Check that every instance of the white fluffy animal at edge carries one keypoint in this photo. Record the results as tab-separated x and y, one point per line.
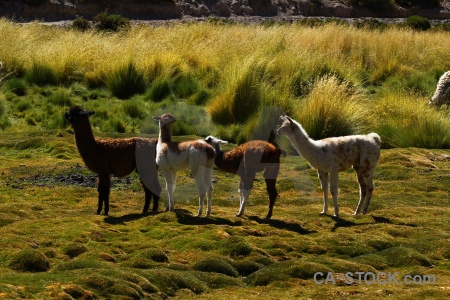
174	156
333	155
442	93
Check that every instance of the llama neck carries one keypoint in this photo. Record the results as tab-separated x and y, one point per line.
84	137
165	133
218	159
223	164
305	146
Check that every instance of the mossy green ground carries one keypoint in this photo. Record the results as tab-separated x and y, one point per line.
128	255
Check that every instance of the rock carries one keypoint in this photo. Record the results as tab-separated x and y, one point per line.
247	10
222	10
57	10
236	7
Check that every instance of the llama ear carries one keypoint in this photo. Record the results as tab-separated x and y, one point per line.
223	142
289	119
157	118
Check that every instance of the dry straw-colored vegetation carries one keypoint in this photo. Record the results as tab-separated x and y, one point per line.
335	79
234	70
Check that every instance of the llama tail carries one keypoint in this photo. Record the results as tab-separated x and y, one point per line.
376	138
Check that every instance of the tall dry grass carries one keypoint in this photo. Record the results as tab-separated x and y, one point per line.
199	47
234	65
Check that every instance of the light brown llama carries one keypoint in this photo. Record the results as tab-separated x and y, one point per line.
333	155
174	156
245	161
118	157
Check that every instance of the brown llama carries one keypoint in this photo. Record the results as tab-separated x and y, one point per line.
118	157
246	160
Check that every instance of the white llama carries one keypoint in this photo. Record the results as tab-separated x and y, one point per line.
174	156
442	93
333	155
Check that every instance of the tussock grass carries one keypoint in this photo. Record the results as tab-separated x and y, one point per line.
125	254
217	265
29	260
233	70
333	108
407	121
126	81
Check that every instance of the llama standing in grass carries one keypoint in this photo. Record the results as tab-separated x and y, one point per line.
246	160
442	93
333	155
174	156
118	157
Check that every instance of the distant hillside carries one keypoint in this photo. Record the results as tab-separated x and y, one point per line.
56	10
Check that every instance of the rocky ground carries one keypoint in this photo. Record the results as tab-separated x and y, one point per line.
57	10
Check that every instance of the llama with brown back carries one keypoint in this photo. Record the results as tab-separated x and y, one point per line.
118	157
174	156
246	160
333	155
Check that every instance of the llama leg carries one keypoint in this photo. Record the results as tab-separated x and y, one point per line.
201	200
209	199
204	185
148	198
247	183
202	190
103	188
171	178
155	202
272	190
323	176
241	195
362	193
370	186
208	182
334	187
270	175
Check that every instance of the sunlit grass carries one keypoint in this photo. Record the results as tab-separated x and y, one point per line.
333	108
234	71
407	121
53	243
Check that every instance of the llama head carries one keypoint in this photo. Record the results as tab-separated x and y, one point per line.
165	119
76	113
215	142
286	127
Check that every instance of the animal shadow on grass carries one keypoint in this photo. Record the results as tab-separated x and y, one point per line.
187	218
387	221
295	227
339	222
126	218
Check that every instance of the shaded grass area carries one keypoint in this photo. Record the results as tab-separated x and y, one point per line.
53	246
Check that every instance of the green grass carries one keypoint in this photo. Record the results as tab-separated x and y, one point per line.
126	81
197	73
126	254
345	87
